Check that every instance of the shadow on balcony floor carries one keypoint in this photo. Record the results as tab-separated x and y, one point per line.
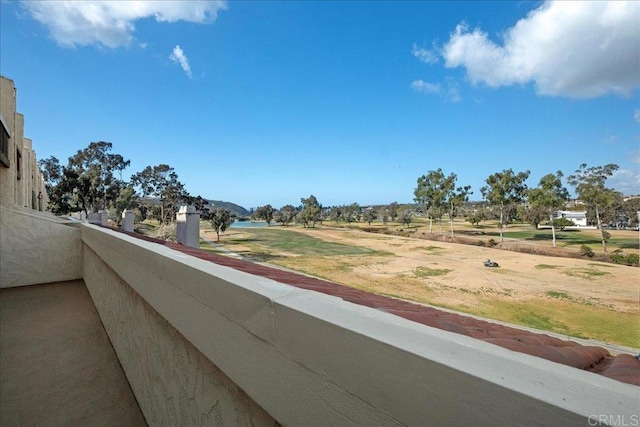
57	365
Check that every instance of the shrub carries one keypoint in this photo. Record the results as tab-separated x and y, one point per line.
480	243
492	243
586	251
619	257
165	232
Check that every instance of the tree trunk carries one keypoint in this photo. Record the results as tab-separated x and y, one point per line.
553	230
451	221
604	242
501	224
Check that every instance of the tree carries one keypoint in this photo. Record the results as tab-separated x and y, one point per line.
335	214
533	215
370	215
285	215
51	172
561	223
162	183
432	192
550	196
265	213
96	184
351	213
392	210
384	215
202	206
476	217
456	199
127	199
590	188
504	190
630	209
406	217
87	182
221	219
53	175
311	209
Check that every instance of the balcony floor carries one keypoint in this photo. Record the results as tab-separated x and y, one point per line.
57	365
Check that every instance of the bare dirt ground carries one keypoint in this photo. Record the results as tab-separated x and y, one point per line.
458	275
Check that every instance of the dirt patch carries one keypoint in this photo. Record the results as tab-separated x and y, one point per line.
520	276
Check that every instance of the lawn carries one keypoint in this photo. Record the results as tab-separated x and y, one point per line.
277	239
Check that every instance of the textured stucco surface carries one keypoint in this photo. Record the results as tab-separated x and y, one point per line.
37	247
57	366
314	359
174	383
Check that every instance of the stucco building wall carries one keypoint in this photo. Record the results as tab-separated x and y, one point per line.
37	247
174	383
21	182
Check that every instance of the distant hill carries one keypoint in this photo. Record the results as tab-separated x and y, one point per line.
232	207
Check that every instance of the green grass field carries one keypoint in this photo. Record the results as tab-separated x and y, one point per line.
277	239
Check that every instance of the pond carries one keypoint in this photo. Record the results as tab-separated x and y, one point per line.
248	224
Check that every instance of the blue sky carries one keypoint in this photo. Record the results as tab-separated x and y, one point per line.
268	102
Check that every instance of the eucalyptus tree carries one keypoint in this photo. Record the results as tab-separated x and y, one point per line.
456	199
96	184
370	215
265	213
351	213
406	217
589	183
432	193
220	220
504	190
335	214
311	210
91	180
384	215
631	211
550	196
285	215
161	182
392	210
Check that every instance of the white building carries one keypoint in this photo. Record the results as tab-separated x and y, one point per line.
579	218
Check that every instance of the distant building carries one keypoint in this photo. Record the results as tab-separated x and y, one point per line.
579	218
21	183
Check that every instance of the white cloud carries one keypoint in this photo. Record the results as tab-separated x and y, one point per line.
111	23
179	57
450	90
425	87
625	181
425	55
636	116
568	48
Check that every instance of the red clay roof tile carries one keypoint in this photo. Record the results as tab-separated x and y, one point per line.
624	367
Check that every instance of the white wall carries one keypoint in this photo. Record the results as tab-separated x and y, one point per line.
311	359
37	247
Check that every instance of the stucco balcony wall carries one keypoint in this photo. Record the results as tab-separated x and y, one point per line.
199	341
38	247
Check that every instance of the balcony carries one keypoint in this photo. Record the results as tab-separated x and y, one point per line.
144	332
